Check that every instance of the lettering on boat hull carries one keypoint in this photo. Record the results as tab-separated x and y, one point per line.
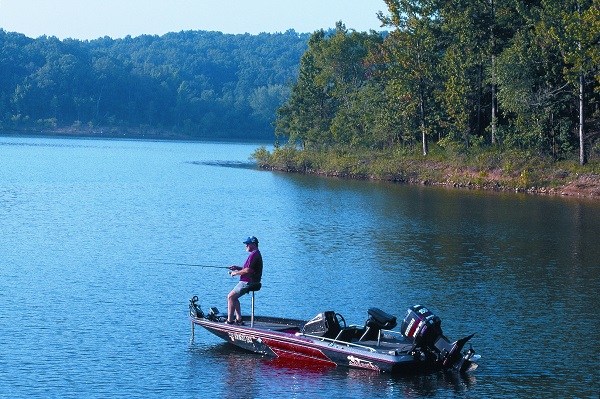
354	361
239	337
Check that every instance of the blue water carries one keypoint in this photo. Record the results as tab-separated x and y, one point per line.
91	306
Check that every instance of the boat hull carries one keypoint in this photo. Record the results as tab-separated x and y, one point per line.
290	345
326	340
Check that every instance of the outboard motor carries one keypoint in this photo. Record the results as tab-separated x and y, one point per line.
425	329
324	324
421	326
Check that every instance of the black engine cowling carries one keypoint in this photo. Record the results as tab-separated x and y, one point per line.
421	326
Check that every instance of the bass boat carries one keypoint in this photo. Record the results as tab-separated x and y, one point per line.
326	340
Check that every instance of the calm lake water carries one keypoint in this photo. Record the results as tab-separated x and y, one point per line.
91	306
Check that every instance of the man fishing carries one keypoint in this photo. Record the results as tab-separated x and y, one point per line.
250	275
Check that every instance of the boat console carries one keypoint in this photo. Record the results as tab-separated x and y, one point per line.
332	325
324	324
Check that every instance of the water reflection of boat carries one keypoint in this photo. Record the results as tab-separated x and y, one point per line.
327	341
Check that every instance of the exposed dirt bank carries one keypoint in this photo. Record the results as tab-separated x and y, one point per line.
584	185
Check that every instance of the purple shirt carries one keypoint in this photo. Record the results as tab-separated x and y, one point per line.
255	264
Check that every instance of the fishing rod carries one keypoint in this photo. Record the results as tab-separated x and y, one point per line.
189	264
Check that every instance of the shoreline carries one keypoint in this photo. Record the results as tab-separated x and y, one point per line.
110	133
117	134
577	185
583	186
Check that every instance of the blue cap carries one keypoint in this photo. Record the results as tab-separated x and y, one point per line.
251	240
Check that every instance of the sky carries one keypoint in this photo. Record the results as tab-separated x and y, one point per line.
91	19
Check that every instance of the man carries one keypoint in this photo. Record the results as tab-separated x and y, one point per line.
250	275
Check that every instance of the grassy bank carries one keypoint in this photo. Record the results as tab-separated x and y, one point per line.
478	169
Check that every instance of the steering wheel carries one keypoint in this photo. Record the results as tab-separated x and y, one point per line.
341	320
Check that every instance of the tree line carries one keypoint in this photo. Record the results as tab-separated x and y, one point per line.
507	74
191	83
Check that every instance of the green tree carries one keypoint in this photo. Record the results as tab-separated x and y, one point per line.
533	94
578	40
412	53
570	27
475	31
264	101
347	74
327	101
307	114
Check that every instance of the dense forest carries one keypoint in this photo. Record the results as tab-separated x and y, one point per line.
187	84
450	77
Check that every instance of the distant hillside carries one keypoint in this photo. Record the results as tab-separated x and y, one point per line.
189	84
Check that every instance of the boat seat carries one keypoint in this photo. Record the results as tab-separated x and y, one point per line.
254	287
378	320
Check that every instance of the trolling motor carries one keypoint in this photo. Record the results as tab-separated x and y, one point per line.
195	310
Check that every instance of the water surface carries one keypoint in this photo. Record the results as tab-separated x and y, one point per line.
90	305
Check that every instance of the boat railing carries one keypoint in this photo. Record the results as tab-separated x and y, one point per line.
337	341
